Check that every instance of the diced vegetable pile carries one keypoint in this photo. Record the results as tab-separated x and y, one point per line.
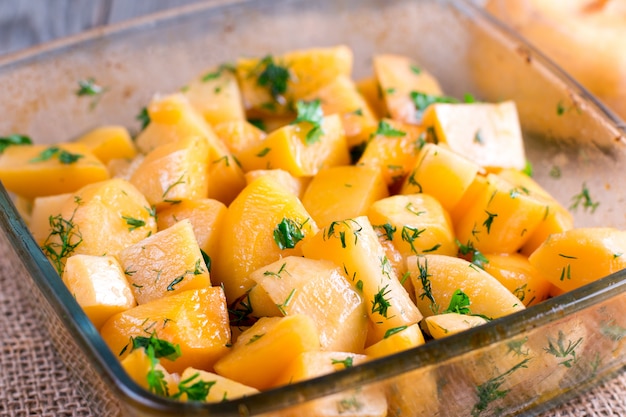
276	220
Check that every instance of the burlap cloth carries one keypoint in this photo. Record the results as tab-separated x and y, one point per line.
35	382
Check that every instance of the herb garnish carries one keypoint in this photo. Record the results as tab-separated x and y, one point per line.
387	230
394	330
423	100
13	140
311	112
288	233
347	362
133	223
562	351
89	88
198	391
274	77
490	390
143	117
64	156
67	233
385	129
585	199
380	304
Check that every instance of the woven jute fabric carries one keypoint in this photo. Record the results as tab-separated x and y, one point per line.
35	382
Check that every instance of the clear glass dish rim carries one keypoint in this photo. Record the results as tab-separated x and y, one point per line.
104	361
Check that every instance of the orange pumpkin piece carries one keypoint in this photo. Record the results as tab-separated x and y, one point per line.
99	286
196	320
442	173
290	149
393	148
206	217
353	245
519	276
123	215
40	170
175	171
264	223
398	77
215	95
415	223
304	70
267	348
318	289
343	192
165	263
109	142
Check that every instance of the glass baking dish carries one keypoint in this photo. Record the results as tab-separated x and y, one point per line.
523	363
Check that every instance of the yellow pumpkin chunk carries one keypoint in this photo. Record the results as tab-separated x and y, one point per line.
443	325
353	245
172	118
221	389
215	95
109	142
416	224
341	97
436	278
264	223
442	173
175	171
99	286
206	217
43	209
501	217
399	77
137	364
40	170
519	276
196	320
165	263
343	192
579	256
358	402
239	135
123	215
393	147
267	347
400	339
318	289
300	73
486	133
291	149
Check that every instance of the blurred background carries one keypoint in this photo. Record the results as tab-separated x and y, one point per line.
25	23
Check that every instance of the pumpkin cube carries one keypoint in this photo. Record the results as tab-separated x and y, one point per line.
215	95
270	84
290	148
109	142
486	133
415	223
318	289
99	286
268	347
263	224
442	173
175	171
196	320
206	217
343	192
123	216
41	170
353	245
399	78
436	279
165	263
